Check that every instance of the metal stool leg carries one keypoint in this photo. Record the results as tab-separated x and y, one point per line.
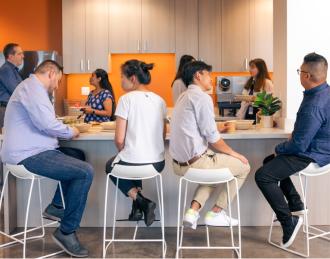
115	212
239	220
27	217
230	215
162	217
40	205
179	221
105	216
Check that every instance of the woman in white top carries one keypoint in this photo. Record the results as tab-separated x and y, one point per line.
178	86
258	82
140	134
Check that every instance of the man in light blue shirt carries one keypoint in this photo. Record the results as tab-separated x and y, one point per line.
30	139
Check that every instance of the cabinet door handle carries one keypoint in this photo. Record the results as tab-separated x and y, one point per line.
88	64
138	45
145	46
81	65
246	64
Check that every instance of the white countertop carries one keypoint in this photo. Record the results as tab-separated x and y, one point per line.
96	133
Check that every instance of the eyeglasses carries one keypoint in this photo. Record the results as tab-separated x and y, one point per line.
302	71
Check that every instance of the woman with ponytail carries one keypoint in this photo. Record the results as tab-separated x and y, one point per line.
101	101
140	134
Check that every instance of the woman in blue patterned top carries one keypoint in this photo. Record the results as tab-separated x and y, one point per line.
101	101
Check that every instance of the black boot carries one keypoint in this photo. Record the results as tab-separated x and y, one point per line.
148	207
136	213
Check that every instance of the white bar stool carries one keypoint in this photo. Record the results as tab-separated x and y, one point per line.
142	172
208	177
21	172
312	170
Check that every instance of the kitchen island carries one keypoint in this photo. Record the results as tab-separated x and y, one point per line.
99	146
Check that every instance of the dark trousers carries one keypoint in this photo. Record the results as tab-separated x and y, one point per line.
279	169
126	185
65	165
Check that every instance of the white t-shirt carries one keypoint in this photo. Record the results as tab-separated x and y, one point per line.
145	113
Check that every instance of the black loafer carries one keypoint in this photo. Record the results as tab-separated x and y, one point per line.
148	207
69	243
136	212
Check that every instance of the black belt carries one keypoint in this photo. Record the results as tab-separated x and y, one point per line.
3	104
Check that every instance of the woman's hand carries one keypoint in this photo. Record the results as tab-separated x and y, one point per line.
88	110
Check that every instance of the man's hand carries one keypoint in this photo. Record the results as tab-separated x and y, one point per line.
76	132
222	127
240	157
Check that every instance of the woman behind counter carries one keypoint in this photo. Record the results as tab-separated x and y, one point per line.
258	82
178	87
101	101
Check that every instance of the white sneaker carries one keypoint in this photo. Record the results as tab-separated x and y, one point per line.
219	219
190	218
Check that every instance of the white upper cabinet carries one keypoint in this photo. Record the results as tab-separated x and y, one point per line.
209	32
158	30
261	40
85	35
186	28
141	26
74	34
97	35
224	33
125	26
235	45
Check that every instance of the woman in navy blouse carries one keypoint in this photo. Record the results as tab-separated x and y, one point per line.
101	101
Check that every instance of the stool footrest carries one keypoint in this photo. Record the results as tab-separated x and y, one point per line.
51	255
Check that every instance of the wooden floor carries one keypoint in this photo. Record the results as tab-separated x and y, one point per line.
253	241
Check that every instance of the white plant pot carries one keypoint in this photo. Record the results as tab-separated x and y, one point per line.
266	121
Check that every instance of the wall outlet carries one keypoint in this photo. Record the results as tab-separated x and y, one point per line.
85	90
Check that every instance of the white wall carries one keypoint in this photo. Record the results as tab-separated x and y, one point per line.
307	29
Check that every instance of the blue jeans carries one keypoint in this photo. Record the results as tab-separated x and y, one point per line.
126	185
76	177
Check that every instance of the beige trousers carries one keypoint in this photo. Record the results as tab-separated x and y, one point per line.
211	160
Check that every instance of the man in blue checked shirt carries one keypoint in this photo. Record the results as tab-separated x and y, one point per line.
310	142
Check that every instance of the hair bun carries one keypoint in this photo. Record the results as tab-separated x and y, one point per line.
146	67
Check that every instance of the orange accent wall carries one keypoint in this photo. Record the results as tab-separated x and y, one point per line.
34	24
162	76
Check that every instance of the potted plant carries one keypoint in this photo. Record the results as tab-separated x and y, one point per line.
267	105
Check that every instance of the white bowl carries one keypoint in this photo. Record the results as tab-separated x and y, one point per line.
83	127
108	125
244	124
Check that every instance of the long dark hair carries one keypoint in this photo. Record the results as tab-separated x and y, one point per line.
139	69
261	77
183	60
106	85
